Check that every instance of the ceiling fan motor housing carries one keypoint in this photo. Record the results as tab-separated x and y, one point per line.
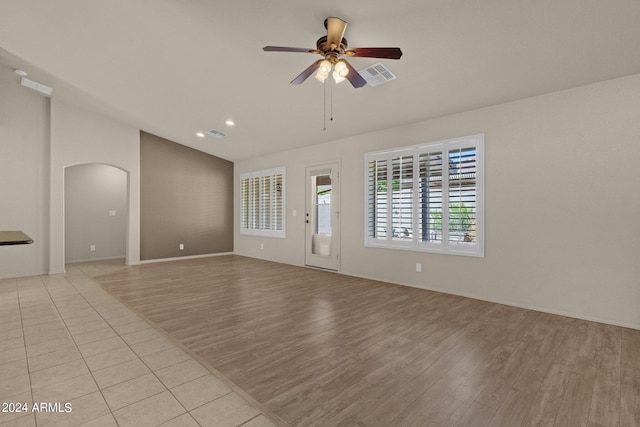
324	47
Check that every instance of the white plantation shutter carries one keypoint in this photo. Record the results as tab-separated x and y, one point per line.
402	198
462	195
262	203
377	199
254	220
430	202
265	202
244	204
277	206
427	197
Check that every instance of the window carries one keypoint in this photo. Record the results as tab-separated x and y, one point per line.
262	203
428	197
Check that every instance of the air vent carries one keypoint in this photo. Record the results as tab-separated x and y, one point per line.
217	133
45	90
377	74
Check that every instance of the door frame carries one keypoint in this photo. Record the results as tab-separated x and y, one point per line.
318	261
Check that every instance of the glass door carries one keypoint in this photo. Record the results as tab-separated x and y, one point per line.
322	217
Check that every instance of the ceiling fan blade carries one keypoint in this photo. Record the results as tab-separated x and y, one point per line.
375	52
354	77
288	49
306	73
335	31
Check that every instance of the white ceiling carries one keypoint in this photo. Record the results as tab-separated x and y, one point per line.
174	67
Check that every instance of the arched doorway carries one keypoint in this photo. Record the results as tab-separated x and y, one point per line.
96	212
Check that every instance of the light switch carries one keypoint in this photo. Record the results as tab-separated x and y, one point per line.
112	213
294	212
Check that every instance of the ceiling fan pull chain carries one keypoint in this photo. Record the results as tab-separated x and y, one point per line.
331	101
324	105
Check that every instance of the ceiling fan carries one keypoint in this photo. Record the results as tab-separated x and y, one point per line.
332	47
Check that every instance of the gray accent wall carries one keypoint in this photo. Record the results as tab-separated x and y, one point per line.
186	198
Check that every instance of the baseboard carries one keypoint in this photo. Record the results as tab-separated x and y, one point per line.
180	258
18	276
75	261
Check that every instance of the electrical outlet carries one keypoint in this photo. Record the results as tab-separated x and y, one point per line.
93	248
418	267
261	246
182	246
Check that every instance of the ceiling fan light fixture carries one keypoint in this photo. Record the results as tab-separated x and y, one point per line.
321	76
341	69
337	77
325	67
323	70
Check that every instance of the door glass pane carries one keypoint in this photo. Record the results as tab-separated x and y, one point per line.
321	238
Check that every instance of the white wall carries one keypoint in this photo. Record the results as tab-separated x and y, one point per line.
92	193
79	136
562	206
24	165
38	139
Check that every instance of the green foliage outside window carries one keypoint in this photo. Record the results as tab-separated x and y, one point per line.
382	185
460	218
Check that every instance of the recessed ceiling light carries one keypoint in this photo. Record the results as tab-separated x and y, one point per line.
21	73
230	122
200	134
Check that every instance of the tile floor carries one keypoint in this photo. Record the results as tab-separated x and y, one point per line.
68	344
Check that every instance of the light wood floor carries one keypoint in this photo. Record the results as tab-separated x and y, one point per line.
319	348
